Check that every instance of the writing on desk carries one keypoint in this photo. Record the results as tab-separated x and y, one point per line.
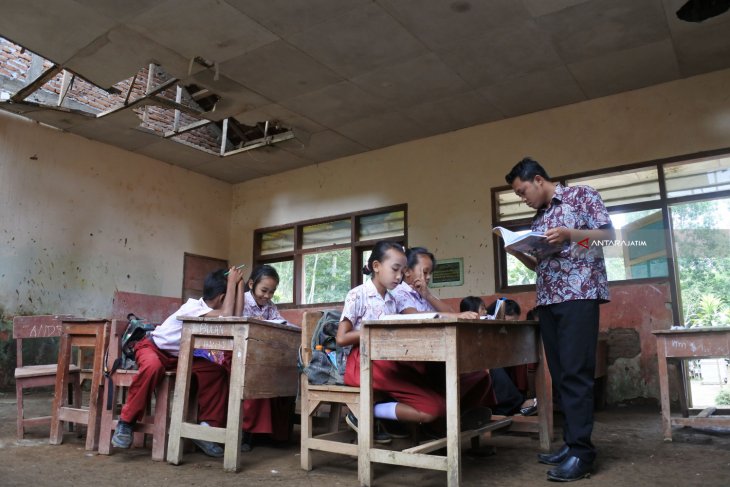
213	344
208	329
694	348
45	331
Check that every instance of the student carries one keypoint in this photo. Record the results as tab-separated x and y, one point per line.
413	294
158	353
262	286
570	286
264	416
510	400
414	399
473	303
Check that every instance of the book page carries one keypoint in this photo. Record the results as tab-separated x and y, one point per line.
411	316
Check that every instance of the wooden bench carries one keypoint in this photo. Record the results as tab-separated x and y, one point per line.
29	376
313	397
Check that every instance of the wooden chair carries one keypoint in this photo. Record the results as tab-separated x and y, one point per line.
27	376
314	396
155	424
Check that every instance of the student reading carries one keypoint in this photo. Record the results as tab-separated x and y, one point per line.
413	396
570	286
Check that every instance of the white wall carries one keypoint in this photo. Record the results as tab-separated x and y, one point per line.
446	179
80	219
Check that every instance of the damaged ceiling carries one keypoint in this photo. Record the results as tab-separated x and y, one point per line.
346	76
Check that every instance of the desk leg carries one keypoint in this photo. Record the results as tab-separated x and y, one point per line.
180	398
235	403
453	413
60	391
365	426
664	388
544	392
96	401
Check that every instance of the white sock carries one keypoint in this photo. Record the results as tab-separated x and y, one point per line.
204	423
385	410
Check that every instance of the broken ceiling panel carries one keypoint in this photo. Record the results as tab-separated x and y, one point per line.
234	98
278	113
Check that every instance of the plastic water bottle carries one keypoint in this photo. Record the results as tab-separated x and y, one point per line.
332	354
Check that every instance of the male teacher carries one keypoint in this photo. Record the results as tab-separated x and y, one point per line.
571	283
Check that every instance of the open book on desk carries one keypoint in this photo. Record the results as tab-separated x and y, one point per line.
411	316
531	243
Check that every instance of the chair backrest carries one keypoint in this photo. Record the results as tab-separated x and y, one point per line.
115	341
309	323
30	327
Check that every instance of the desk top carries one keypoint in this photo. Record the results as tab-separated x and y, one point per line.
236	320
447	322
693	331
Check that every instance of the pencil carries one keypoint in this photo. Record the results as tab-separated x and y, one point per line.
237	267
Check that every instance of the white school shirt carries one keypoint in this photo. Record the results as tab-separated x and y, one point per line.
251	309
167	335
407	297
364	303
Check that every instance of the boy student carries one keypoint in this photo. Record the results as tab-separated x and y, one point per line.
570	286
158	353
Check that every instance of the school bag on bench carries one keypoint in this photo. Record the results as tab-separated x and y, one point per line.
327	365
137	329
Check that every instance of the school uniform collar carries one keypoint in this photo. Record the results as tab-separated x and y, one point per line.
557	199
371	291
251	301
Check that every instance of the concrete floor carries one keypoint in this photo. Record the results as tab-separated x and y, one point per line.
629	439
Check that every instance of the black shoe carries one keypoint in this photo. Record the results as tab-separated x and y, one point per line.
475	418
572	468
529	410
395	428
380	436
247	442
554	458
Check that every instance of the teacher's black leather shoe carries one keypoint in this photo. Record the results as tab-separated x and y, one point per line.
554	458
572	468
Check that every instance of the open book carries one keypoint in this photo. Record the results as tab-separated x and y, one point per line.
411	316
531	243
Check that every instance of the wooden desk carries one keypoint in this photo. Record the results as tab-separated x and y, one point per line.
689	343
264	365
464	346
80	332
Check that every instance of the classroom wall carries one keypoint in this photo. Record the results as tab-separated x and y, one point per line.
445	180
80	220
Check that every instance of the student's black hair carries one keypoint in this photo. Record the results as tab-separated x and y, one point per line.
261	271
413	253
215	284
378	254
471	303
532	314
526	170
511	308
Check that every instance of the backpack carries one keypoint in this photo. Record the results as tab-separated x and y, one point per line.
137	329
326	368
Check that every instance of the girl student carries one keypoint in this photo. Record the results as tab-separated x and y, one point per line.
413	397
262	285
264	416
413	295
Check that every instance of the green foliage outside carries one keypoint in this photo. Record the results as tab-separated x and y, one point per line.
703	261
723	398
326	276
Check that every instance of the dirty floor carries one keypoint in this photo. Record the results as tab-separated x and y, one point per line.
631	453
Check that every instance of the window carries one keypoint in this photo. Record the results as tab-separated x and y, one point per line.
319	261
684	201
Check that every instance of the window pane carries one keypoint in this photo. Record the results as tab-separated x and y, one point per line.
698	177
285	289
517	273
277	241
624	187
701	234
639	250
510	207
326	276
330	233
382	225
365	257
